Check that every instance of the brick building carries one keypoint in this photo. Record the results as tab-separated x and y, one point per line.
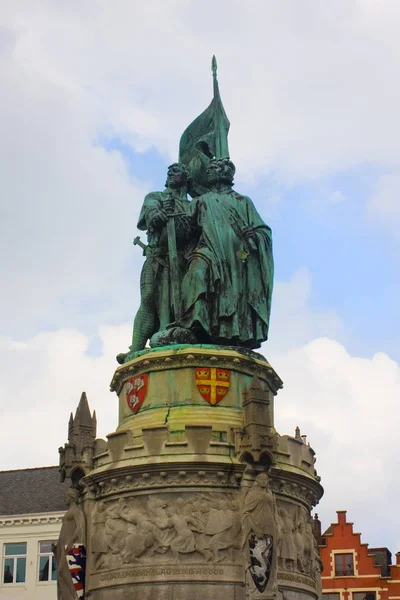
352	570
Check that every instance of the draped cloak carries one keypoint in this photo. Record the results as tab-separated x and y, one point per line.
225	296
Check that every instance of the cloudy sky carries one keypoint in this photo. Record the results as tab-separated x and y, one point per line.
95	96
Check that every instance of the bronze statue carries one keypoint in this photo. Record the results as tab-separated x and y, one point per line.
208	273
164	216
227	288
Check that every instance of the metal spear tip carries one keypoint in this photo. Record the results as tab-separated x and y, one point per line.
214	66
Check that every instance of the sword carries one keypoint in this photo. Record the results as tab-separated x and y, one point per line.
173	266
137	242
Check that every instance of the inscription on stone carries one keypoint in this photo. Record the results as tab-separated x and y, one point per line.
169	573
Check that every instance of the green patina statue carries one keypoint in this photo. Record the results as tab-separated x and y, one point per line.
165	217
226	290
208	273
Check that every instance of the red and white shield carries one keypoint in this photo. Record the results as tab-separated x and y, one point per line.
135	391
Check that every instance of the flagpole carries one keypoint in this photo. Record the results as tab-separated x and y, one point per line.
214	68
221	137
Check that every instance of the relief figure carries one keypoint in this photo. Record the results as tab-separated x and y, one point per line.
184	541
73	531
287	547
299	537
224	525
99	543
115	525
259	532
140	534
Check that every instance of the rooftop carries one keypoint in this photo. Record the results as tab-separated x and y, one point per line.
25	491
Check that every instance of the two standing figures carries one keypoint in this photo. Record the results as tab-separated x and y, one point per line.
208	273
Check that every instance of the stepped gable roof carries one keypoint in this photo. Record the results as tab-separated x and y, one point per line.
32	491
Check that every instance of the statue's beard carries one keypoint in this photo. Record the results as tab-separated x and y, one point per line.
219	179
214	179
176	182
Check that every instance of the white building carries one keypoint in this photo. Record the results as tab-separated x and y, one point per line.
31	510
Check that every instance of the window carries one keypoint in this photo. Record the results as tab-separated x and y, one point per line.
14	563
363	595
334	596
344	564
47	563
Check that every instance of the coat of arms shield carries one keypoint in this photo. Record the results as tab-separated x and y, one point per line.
212	383
135	391
76	560
260	559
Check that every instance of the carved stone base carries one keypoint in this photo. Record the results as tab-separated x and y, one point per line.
176	508
190	590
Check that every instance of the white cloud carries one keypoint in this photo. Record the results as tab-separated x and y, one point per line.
293	320
348	406
309	88
68	210
337	197
42	380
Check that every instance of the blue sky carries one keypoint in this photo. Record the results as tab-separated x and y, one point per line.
98	95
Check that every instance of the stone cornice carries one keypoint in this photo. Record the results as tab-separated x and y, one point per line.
195	356
306	490
31	519
164	477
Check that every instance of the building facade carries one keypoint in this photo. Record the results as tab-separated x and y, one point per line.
352	570
31	510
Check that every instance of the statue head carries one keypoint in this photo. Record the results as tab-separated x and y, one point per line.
177	176
262	481
170	511
221	170
71	495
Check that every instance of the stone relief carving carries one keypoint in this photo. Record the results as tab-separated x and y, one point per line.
99	540
286	546
202	528
297	547
308	495
259	532
250	529
224	525
73	532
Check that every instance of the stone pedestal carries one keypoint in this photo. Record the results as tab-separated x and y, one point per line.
172	503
